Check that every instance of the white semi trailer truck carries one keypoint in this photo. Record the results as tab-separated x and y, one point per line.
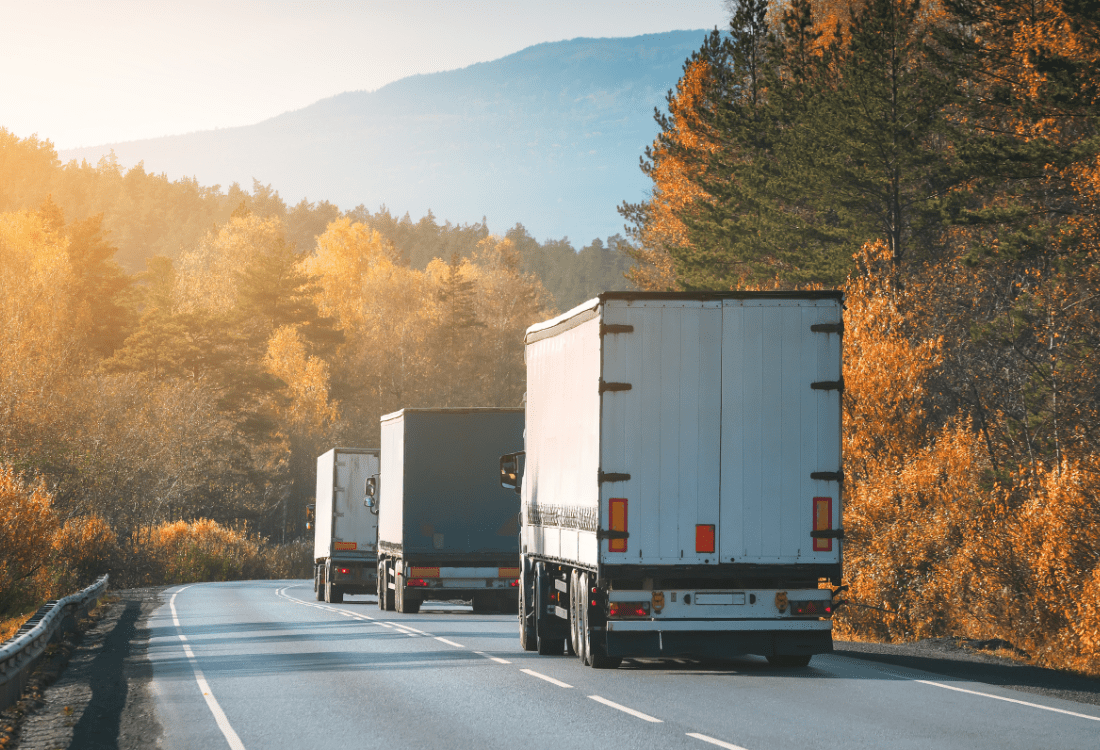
681	478
345	540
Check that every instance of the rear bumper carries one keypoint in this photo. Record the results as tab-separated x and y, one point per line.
453	592
718	643
716	626
362	575
458	582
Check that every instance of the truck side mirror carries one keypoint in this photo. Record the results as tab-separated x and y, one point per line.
310	510
371	492
511	472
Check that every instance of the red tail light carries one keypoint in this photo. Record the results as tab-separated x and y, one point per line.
515	583
813	608
345	571
823	521
617	522
416	582
704	537
628	609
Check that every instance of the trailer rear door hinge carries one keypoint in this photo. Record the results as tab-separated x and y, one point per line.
828	534
606	328
605	386
828	385
606	534
828	328
828	476
611	476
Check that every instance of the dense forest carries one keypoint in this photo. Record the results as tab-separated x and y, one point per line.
941	161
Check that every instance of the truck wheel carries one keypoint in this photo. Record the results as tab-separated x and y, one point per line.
318	587
527	638
595	652
789	661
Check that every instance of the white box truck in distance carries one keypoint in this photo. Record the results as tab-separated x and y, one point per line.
681	487
345	538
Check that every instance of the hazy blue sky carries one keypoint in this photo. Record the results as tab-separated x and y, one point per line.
103	71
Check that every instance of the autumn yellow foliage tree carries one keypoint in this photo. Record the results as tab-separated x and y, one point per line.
26	535
39	341
659	221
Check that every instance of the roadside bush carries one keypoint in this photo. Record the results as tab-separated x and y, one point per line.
85	549
26	540
202	550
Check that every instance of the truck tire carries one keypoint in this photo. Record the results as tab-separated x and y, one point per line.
595	653
786	660
318	586
527	638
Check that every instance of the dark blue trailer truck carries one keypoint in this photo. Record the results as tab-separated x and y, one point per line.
447	530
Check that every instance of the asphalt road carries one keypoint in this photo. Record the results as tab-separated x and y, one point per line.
263	665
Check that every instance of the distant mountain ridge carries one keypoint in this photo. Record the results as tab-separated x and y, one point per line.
548	137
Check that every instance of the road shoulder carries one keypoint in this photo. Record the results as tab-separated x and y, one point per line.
942	656
103	698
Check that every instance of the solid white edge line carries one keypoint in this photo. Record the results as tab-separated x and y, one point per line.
626	710
1009	700
541	676
711	740
204	687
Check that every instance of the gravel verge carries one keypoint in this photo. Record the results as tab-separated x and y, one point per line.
102	697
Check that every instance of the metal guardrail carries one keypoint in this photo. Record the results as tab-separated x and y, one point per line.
19	655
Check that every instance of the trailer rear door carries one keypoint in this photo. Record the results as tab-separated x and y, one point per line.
355	528
780	424
664	431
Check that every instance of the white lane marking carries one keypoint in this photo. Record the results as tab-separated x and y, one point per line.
711	740
494	658
541	676
204	687
626	710
1009	700
449	643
